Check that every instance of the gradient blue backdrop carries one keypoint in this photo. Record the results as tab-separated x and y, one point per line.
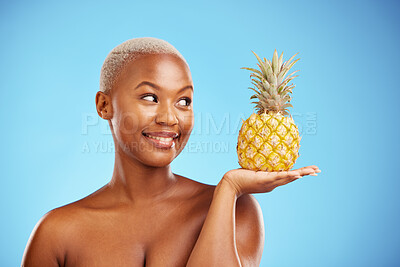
346	103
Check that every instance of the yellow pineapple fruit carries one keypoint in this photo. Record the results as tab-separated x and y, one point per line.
269	140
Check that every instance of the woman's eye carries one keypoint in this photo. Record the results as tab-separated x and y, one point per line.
151	98
184	102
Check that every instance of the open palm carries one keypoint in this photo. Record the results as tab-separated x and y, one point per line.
248	182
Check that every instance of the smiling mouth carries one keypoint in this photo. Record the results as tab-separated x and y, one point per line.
163	140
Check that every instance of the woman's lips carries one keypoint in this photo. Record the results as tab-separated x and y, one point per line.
164	140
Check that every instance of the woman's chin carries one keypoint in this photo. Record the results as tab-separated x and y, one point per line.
156	159
157	162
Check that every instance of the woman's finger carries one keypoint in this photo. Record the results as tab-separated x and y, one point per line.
315	168
286	174
296	174
277	176
280	178
286	177
307	171
285	181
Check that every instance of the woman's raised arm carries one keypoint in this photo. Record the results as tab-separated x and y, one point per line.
233	233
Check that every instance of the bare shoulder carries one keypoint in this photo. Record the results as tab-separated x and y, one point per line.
46	245
196	187
55	232
249	229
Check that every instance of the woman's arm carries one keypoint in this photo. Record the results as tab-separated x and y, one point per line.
228	241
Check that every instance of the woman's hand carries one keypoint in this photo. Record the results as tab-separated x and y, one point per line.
245	181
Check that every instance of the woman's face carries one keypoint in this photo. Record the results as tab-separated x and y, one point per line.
152	109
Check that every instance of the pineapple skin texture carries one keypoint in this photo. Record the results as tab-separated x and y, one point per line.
268	142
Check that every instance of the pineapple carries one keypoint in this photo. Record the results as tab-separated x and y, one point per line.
269	140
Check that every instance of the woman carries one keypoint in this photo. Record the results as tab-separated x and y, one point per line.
147	215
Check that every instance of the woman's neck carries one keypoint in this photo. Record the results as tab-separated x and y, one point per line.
134	182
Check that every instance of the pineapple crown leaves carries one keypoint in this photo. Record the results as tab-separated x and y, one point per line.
271	83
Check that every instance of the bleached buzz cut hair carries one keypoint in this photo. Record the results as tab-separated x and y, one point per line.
129	50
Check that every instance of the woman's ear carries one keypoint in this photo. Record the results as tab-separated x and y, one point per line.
103	105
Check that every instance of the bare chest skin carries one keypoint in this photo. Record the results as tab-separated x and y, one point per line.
147	234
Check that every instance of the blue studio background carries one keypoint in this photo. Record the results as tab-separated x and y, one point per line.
56	150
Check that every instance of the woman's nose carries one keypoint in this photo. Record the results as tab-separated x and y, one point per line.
166	116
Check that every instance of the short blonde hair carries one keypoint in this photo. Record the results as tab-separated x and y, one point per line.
128	51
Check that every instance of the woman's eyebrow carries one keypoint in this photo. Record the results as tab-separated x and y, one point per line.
155	86
185	88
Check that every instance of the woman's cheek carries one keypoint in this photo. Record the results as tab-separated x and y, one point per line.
130	122
187	121
126	123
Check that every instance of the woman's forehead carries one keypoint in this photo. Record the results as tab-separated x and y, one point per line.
162	69
159	66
